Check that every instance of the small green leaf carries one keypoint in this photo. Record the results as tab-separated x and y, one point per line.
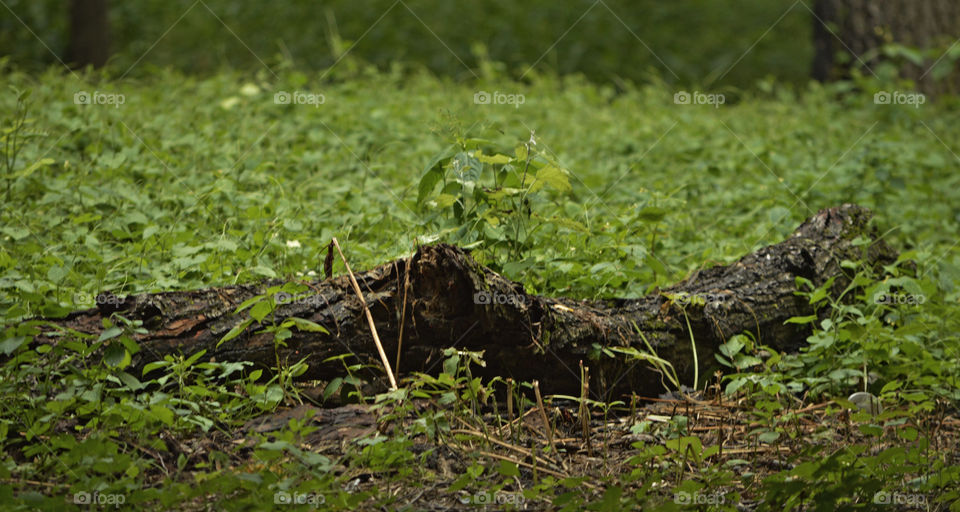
194	358
308	326
110	333
432	174
130	381
34	166
116	356
163	414
332	387
521	152
553	177
908	434
153	366
508	469
651	214
249	302
260	310
450	364
10	345
769	436
497	159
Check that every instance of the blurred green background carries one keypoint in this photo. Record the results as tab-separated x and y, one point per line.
689	42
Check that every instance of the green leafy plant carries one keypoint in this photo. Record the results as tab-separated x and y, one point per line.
488	199
260	308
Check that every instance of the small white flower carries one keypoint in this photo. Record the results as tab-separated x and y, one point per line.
249	89
293	243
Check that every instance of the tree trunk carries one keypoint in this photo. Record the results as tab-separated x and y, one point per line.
453	301
89	33
858	28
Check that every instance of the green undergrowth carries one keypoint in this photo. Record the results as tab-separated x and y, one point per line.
576	190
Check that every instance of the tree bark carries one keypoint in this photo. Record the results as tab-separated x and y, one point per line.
89	33
453	301
858	28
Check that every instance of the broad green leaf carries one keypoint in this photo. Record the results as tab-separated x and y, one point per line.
116	356
332	387
236	331
652	214
508	469
260	310
110	333
10	345
307	325
153	366
432	174
553	177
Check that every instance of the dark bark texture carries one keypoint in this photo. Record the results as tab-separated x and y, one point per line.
89	33
453	301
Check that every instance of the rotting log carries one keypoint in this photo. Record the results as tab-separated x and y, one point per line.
451	300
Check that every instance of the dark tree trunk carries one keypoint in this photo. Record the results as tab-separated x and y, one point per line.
857	28
89	33
524	336
824	42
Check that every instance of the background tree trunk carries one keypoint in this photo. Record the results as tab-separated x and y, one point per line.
857	28
89	33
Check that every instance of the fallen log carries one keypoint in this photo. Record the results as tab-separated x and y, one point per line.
451	300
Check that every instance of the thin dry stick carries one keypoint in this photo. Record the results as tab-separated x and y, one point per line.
546	423
496	441
584	409
403	309
522	463
531	466
510	408
472	430
373	328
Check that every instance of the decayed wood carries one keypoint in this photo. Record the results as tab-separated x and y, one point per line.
454	301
